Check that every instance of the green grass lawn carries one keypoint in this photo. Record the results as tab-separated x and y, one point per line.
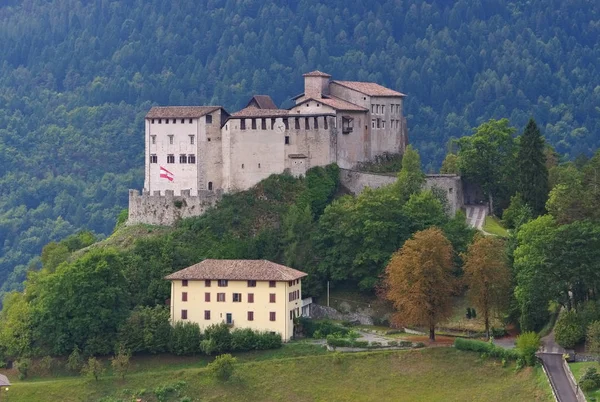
578	369
492	225
433	374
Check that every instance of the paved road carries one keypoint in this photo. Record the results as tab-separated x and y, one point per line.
552	357
476	215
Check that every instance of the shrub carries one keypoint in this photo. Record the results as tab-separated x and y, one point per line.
75	361
590	380
222	367
320	330
147	329
527	345
243	340
419	345
45	365
337	357
120	362
405	344
568	330
360	344
185	338
268	340
375	344
219	333
498	332
93	368
392	343
486	348
23	366
593	337
337	342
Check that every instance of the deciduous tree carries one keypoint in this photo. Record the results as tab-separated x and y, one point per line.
487	276
418	280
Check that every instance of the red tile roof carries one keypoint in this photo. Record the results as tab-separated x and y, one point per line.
184	112
316	73
368	88
238	270
263	102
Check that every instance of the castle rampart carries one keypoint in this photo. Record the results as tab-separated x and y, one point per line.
451	184
165	209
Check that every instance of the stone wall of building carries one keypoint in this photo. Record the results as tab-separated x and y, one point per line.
356	182
167	208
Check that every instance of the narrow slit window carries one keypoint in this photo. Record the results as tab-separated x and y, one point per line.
316	123
253	124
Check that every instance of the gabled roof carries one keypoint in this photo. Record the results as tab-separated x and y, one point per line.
255	112
263	102
184	112
368	88
336	103
316	73
238	270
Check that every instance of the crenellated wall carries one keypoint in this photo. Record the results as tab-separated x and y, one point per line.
451	184
166	208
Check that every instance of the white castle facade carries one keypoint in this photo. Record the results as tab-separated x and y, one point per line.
196	153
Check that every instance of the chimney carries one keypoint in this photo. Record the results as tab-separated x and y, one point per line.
316	84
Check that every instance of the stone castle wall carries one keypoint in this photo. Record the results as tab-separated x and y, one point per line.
356	182
165	209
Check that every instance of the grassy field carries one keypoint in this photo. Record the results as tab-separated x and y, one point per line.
420	375
492	225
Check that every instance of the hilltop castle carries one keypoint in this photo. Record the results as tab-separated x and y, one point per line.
195	153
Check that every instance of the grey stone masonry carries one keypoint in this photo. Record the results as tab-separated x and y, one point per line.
166	209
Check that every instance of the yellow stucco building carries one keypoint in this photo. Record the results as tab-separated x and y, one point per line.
256	294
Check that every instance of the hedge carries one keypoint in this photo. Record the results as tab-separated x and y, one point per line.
486	347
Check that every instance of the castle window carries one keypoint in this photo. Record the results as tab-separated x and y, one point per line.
242	165
166	121
263	124
170	158
171	139
208	139
272	124
316	123
259	165
382	123
287	140
182	121
286	123
174	121
378	123
192	139
318	105
325	123
306	125
382	109
347	124
159	121
253	124
183	158
210	185
209	119
190	121
243	124
297	123
153	158
307	104
372	123
152	121
226	128
373	109
191	158
153	138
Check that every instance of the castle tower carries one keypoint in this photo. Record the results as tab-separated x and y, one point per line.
316	84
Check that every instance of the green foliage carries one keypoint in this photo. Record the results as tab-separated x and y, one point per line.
485	347
223	367
185	338
410	177
590	380
450	164
23	366
146	330
528	344
220	335
93	368
518	212
15	329
75	361
383	163
320	329
164	393
247	339
532	174
45	365
487	158
569	330
120	362
592	338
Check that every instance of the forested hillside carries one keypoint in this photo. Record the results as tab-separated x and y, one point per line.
77	76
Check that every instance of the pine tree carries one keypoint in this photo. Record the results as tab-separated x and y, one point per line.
532	171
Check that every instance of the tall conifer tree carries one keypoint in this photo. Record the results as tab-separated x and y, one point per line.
532	171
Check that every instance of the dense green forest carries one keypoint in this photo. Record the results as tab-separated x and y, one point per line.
77	77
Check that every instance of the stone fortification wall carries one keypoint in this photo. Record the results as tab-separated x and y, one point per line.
356	182
167	208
